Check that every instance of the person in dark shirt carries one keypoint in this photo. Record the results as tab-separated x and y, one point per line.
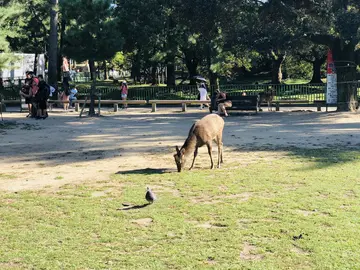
41	98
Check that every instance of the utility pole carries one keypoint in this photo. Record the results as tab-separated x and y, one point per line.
53	43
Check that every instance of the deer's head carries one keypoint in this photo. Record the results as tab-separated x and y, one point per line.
179	158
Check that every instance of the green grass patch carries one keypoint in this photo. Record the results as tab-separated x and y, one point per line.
7	176
300	211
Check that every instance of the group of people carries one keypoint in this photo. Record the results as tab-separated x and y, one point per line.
36	93
218	100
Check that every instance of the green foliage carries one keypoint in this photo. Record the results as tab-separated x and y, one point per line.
32	27
9	14
296	68
91	31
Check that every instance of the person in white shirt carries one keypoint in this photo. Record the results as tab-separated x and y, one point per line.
203	94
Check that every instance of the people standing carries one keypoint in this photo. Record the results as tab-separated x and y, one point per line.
203	95
124	93
25	91
33	86
41	98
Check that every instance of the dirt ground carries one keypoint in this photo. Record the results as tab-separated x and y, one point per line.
64	148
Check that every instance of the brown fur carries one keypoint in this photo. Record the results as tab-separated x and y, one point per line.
267	96
202	132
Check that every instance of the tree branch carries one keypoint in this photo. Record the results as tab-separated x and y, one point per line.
322	39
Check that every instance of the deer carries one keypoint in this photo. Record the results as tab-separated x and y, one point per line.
202	132
267	96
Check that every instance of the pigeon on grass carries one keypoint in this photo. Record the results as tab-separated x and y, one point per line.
150	196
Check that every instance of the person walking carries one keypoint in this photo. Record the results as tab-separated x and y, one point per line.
203	95
124	93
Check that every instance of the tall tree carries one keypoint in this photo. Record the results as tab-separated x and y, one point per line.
32	29
10	14
336	24
91	34
53	43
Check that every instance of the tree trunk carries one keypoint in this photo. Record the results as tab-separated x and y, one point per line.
153	74
93	88
191	62
316	77
105	71
214	82
344	58
35	63
170	80
276	69
171	48
53	43
60	54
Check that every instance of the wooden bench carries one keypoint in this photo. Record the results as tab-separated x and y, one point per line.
23	106
322	103
288	102
244	103
183	103
114	102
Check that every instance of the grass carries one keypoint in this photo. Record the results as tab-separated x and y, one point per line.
7	176
299	211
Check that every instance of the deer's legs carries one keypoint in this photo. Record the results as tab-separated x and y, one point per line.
195	154
220	150
210	154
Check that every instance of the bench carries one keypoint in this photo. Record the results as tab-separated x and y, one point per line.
244	103
23	106
287	102
322	103
114	102
183	103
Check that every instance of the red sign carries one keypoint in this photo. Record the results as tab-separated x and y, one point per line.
330	63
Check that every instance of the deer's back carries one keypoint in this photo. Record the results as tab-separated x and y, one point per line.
208	128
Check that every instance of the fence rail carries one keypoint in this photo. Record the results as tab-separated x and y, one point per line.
309	92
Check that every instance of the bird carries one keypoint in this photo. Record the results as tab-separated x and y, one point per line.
150	196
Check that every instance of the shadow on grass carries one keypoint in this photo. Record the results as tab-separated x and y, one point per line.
321	157
133	207
146	171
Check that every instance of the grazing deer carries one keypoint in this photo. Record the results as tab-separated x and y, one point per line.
267	96
202	132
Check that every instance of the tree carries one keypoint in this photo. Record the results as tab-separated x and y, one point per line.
315	55
31	29
9	15
335	23
53	43
274	34
91	34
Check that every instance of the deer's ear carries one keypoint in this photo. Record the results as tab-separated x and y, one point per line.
177	150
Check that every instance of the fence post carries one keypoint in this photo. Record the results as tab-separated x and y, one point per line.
183	105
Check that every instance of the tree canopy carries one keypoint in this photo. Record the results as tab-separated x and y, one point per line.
216	38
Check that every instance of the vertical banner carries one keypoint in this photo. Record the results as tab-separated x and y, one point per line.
331	80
